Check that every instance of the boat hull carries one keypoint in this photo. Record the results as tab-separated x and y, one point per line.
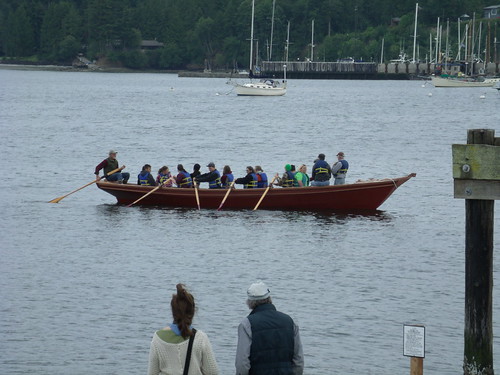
367	195
251	89
451	82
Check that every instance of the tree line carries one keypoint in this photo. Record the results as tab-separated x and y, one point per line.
215	34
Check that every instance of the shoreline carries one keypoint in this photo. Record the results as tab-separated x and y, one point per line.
70	68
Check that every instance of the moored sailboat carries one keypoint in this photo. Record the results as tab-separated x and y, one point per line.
464	82
265	87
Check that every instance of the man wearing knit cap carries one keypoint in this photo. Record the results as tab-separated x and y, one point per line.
268	340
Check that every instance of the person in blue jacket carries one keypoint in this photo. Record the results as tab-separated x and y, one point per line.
212	177
250	180
261	176
145	178
321	172
339	169
227	176
268	340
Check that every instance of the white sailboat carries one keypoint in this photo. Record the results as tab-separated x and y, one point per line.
265	87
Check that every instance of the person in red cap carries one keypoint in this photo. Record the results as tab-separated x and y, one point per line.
339	169
268	340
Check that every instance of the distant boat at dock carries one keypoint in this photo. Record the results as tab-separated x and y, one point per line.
464	82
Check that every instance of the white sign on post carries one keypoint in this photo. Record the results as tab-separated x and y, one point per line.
414	341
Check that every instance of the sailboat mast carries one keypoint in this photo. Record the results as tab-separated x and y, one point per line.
272	30
459	39
415	33
382	52
447	39
312	40
251	38
287	42
437	41
472	44
479	41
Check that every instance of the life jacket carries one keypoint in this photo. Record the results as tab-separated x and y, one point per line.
229	179
343	169
215	184
143	179
262	182
321	171
304	178
164	177
187	181
252	184
112	165
290	181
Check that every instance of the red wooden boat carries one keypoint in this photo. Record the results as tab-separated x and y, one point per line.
362	195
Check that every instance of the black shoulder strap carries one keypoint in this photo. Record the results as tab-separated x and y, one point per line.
188	355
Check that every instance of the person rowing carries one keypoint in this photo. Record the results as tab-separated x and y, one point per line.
145	178
183	179
262	177
212	177
111	164
250	180
227	176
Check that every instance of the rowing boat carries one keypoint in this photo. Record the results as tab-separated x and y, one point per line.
362	195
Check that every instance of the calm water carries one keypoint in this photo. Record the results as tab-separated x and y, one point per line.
85	283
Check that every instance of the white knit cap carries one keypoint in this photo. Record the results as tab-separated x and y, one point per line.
258	291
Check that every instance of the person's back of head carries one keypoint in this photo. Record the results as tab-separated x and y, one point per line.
196	167
183	309
321	156
226	170
250	169
145	167
258	168
180	167
162	169
258	294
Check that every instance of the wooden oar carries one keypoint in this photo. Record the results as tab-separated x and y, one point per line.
265	192
225	196
196	194
150	192
57	200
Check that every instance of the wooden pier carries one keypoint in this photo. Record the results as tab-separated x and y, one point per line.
360	70
320	70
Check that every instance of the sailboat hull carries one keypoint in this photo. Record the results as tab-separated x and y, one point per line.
258	89
453	82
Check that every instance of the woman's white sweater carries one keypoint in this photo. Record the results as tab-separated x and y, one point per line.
169	359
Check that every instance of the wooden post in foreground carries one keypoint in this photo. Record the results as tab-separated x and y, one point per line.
416	366
414	347
476	173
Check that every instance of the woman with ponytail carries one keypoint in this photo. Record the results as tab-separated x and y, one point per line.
170	346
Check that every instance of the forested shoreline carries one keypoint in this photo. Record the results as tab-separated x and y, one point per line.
196	34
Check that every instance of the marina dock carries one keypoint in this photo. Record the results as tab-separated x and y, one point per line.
348	70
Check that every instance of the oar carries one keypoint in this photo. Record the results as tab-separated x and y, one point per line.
57	200
150	192
196	194
265	192
225	196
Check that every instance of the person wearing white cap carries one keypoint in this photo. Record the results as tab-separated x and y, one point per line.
339	169
109	165
268	340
